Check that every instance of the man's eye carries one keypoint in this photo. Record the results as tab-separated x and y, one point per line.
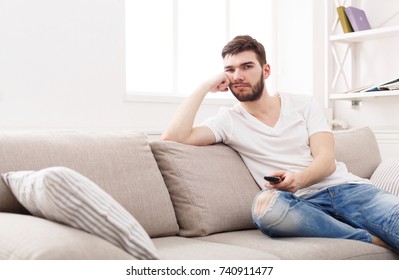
228	70
247	66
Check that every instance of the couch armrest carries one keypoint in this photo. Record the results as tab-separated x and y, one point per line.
386	176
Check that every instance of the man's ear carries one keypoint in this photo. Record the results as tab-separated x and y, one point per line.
266	70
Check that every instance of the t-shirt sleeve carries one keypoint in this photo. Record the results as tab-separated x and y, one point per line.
316	120
220	125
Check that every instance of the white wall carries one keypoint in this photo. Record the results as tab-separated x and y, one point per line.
300	48
62	67
295	46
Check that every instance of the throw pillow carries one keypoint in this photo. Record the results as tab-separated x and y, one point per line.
358	149
386	176
63	195
210	186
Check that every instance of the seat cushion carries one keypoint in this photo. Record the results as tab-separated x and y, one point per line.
303	248
210	187
181	248
25	237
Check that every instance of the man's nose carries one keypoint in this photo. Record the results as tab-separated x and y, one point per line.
238	75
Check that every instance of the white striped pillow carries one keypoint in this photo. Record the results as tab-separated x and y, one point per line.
386	176
63	195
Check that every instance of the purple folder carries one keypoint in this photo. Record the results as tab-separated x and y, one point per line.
357	18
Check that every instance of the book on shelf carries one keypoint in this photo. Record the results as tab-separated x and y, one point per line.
357	18
383	86
391	86
343	19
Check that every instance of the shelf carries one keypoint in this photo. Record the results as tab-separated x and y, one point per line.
363	95
343	54
360	36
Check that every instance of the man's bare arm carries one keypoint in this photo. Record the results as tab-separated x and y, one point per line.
181	127
323	165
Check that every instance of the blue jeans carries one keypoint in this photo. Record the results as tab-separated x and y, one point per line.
350	211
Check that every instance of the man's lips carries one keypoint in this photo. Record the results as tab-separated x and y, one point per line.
240	85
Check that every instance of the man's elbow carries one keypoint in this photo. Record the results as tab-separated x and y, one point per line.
171	137
333	166
167	137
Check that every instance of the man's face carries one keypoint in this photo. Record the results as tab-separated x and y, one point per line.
246	76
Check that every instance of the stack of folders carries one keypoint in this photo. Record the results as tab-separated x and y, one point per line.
352	19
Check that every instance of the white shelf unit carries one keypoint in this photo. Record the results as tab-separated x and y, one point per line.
362	95
365	35
338	59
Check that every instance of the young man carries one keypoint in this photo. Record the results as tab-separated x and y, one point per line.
287	136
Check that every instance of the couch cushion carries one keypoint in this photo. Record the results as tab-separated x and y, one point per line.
303	248
211	188
386	176
181	248
63	195
119	162
24	237
358	149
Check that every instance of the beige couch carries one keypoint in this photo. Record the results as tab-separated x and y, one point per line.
193	202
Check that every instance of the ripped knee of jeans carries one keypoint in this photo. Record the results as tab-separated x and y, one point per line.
263	202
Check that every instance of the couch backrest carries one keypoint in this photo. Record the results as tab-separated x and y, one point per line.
358	149
120	163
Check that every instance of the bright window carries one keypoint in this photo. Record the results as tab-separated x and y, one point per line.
173	45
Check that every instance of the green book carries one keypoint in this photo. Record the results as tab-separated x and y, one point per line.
343	19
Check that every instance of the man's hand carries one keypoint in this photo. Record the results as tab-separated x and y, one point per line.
290	182
219	83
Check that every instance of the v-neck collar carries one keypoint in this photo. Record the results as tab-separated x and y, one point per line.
255	119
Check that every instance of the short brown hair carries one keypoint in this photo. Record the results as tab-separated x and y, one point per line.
245	43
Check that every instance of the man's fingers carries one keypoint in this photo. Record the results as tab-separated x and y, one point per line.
223	86
221	83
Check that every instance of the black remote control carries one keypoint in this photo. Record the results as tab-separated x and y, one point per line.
273	179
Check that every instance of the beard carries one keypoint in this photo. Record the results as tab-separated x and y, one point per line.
257	91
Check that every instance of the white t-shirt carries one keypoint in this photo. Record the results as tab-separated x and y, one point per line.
266	149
